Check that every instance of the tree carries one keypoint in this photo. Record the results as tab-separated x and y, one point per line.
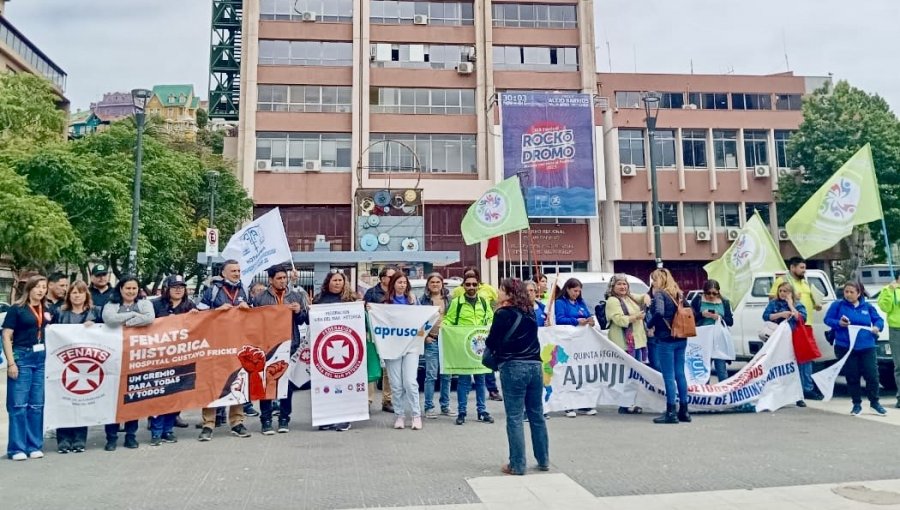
836	123
28	112
202	118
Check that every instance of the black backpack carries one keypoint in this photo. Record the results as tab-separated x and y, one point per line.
600	315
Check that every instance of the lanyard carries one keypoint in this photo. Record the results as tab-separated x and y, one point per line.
38	312
279	297
231	297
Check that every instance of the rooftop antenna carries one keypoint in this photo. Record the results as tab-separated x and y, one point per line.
787	62
692	66
609	55
634	51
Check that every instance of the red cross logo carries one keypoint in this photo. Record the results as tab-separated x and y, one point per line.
82	376
338	352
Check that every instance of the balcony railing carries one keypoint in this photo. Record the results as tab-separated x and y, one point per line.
31	54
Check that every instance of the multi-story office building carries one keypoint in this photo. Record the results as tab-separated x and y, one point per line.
329	88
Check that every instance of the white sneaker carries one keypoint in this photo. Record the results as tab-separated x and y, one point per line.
19	456
571	414
37	454
417	423
590	412
398	423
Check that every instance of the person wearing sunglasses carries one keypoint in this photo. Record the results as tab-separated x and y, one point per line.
709	307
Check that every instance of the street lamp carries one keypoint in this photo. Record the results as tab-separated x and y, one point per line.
651	108
139	98
213	177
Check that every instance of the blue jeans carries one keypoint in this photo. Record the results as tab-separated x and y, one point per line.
671	364
463	385
720	367
523	386
25	403
432	372
652	353
162	424
490	382
806	379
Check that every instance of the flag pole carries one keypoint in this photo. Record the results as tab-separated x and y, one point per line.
887	247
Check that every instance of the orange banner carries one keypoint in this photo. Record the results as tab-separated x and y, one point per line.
208	359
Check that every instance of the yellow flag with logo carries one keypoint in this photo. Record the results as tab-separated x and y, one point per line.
849	198
500	210
754	251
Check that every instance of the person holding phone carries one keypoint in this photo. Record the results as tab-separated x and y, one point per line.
854	310
571	310
708	308
625	312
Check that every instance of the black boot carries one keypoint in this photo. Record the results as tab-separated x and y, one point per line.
683	414
669	416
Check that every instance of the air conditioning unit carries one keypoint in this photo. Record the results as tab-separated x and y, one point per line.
628	170
689	106
465	68
732	233
761	171
420	19
471	56
308	16
263	165
783	235
312	165
373	52
703	235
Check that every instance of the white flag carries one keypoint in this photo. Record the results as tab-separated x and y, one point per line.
826	378
259	246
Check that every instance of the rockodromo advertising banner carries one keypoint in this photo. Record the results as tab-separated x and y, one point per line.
548	140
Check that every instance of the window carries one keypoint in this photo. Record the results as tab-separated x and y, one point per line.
741	101
696	215
725	147
728	215
535	16
436	153
290	150
709	100
665	147
756	148
394	12
751	208
671	100
420	56
668	214
304	98
422	101
328	11
781	148
535	58
693	143
788	102
629	100
632	216
631	147
305	53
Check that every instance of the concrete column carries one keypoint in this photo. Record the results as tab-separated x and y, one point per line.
248	96
742	162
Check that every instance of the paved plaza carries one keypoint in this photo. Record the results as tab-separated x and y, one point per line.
818	457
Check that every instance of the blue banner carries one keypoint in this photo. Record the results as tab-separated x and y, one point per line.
548	141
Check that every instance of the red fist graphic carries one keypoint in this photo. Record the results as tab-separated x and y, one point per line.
273	373
253	359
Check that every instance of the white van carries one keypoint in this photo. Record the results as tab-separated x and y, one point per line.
594	285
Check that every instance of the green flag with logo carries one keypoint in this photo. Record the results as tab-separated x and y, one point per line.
461	348
849	198
754	251
500	210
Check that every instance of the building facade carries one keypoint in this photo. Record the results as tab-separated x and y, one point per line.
177	106
338	95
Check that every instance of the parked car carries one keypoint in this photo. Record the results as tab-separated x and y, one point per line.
594	285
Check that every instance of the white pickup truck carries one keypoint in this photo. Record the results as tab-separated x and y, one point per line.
748	321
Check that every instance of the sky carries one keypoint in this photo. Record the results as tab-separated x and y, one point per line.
110	45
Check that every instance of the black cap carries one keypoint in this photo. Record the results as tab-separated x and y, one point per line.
175	280
99	270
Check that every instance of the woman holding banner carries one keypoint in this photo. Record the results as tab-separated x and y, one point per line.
335	290
513	340
24	348
436	294
126	308
402	371
709	308
854	310
78	308
667	298
786	307
570	310
625	313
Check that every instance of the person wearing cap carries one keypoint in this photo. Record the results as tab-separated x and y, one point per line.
225	294
280	293
172	301
101	290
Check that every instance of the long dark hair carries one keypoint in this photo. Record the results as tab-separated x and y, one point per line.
346	295
516	294
392	291
117	293
571	283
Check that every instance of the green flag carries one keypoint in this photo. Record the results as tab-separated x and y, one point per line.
499	211
461	348
753	251
849	198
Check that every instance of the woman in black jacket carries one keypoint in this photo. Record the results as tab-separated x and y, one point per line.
513	340
334	290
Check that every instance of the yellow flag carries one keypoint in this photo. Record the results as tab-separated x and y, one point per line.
849	198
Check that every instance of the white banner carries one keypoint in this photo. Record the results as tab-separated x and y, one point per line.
826	378
82	375
298	372
338	377
583	368
259	246
401	329
697	355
